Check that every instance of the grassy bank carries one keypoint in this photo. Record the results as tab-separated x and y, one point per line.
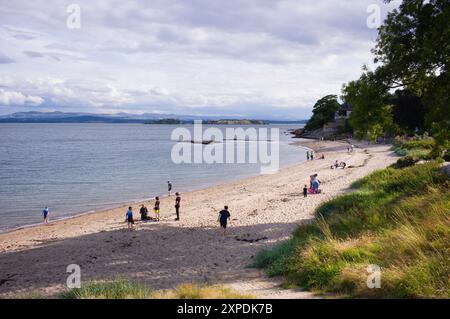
398	219
123	289
412	151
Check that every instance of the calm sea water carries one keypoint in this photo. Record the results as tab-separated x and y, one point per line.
74	168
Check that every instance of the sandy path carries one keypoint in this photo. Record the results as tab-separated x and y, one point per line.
169	253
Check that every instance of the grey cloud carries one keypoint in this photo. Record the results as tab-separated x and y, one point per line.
253	57
33	54
24	37
5	59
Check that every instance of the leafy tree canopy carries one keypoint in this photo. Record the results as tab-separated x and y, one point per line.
413	53
323	112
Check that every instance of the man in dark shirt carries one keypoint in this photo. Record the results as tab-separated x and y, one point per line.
143	211
224	216
177	205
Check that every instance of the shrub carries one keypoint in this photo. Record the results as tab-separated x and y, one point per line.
406	161
124	289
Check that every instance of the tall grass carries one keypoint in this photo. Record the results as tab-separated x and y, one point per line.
398	219
124	289
413	150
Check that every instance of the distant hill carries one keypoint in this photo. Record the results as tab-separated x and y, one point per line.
148	118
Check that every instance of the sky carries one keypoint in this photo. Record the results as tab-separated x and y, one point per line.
250	58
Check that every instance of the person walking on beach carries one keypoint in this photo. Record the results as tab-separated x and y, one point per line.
224	216
45	214
312	156
177	205
169	186
307	155
129	218
156	208
305	191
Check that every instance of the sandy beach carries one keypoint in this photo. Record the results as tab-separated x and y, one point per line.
264	210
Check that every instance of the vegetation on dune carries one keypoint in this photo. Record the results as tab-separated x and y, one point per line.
398	219
413	150
124	289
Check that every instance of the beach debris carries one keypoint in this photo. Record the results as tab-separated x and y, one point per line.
248	238
125	245
204	142
253	213
8	278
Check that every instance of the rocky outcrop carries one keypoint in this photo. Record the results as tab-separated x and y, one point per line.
235	122
319	134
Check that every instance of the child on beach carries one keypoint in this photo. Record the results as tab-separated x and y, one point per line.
45	214
156	208
224	216
177	205
129	218
305	191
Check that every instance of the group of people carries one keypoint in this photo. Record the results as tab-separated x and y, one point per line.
314	184
143	211
338	164
310	155
224	214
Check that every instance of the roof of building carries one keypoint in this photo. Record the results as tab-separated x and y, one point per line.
346	107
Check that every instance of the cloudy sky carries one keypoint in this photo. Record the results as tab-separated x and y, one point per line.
254	58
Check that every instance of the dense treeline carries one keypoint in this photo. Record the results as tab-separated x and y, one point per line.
412	55
409	90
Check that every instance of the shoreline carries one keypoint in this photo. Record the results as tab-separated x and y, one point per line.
265	209
144	200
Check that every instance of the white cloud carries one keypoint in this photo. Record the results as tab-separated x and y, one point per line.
181	56
17	98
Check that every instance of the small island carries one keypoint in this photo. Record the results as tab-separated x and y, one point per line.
164	121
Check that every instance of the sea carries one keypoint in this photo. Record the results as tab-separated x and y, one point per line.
85	167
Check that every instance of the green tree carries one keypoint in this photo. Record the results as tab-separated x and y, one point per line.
408	111
413	53
372	115
323	112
